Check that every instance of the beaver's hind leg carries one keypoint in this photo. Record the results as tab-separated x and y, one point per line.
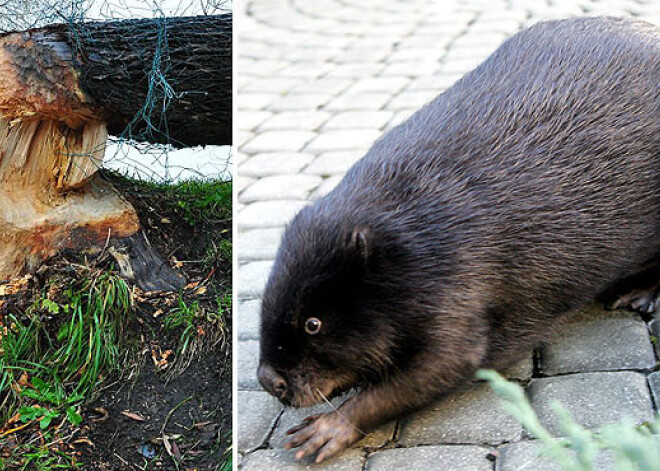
645	301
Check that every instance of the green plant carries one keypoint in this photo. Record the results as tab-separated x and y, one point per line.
58	369
634	447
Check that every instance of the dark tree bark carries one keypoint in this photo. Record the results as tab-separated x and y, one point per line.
169	80
62	88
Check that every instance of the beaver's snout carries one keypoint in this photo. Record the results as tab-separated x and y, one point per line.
273	382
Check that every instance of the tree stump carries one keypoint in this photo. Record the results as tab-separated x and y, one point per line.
53	132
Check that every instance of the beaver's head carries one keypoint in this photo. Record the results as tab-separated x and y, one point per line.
321	332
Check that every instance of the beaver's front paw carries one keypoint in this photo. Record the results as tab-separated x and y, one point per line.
326	433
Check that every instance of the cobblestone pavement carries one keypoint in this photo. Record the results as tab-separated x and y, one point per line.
318	82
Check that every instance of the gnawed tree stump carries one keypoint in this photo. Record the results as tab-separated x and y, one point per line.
52	143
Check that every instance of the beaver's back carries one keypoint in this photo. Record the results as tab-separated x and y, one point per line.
545	160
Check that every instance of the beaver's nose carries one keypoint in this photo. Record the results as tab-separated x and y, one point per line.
272	381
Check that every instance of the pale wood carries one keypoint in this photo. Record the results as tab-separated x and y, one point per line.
52	143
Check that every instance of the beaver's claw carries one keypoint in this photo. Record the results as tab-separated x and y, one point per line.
326	433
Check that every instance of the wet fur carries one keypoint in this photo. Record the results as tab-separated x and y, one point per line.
508	202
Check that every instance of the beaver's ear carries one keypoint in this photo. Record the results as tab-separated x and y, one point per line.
360	242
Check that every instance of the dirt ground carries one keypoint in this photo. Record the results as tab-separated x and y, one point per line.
169	408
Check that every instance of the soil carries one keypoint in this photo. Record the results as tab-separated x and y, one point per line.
157	419
164	410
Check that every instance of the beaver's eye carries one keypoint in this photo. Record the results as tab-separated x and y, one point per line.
312	326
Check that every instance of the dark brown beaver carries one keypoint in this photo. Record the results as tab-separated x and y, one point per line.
469	231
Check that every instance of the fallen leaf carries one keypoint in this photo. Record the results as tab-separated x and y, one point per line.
133	415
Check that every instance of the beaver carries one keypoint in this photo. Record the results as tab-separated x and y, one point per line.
468	232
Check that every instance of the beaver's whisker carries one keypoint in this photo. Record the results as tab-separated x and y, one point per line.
336	409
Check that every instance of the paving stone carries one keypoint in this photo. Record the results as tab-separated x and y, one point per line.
247	359
255	101
295	120
469	416
272	84
379	84
445	458
359	139
654	384
359	101
299	102
248	319
249	121
327	186
292	417
524	456
281	460
654	326
333	163
264	165
252	279
243	182
358	120
269	213
355	70
598	340
278	141
521	371
407	100
280	187
258	244
410	69
330	85
258	411
592	399
437	83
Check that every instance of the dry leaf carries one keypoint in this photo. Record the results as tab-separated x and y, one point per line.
133	415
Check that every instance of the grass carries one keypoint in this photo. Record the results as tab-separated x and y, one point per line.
61	365
56	353
70	335
635	447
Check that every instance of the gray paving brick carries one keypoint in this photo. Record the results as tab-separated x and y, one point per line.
268	213
251	120
264	165
654	385
258	411
280	187
379	84
524	456
281	460
331	85
252	279
255	101
300	102
654	326
521	371
592	399
356	140
295	120
333	163
248	319
292	417
445	458
358	120
359	101
598	340
469	416
247	358
278	141
414	99
258	244
327	186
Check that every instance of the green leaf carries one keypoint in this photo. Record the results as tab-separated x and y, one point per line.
73	416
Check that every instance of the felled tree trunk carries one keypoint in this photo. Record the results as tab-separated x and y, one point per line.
58	98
